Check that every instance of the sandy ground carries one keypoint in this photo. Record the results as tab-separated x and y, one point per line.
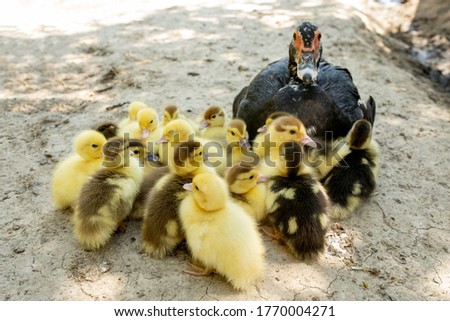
65	66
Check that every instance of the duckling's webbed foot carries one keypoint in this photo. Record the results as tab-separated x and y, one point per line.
197	270
121	227
270	231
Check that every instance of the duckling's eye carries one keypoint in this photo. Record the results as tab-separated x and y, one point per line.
292	132
251	177
213	116
232	133
200	153
151	122
94	145
136	152
196	187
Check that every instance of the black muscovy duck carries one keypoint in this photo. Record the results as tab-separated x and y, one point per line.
321	95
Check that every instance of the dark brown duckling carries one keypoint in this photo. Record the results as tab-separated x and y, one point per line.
161	229
108	129
351	174
297	204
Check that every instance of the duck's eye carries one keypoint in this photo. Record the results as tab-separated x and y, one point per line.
320	36
292	132
94	145
213	116
295	36
200	154
251	177
196	187
151	122
136	152
232	133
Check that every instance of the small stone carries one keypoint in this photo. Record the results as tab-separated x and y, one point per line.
402	260
105	266
19	250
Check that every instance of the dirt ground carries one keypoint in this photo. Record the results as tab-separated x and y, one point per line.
68	65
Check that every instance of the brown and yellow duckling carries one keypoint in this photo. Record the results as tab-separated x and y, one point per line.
107	197
248	189
161	229
213	125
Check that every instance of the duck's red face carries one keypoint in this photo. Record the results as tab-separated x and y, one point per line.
307	51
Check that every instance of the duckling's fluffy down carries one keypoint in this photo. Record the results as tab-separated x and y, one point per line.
226	240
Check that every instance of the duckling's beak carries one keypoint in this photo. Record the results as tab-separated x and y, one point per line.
262	129
307	141
261	178
162	140
152	157
145	133
243	142
188	187
307	71
204	124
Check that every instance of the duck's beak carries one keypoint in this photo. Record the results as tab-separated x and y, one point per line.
188	187
262	129
145	133
307	70
243	142
261	178
162	140
152	157
307	141
204	124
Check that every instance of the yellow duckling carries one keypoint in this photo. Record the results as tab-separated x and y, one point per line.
148	161
219	233
70	174
246	188
297	204
146	129
259	138
161	229
175	132
133	109
172	112
281	130
238	146
107	197
213	126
